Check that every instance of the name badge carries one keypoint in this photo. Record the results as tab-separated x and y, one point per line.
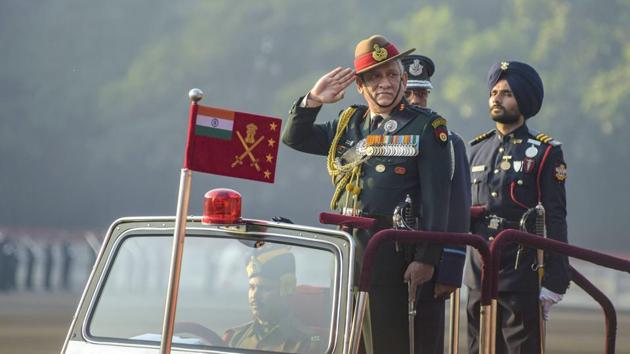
478	168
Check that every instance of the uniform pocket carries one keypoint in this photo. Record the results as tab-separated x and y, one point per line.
479	183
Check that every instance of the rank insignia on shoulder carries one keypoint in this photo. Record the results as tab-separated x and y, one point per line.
481	137
561	172
439	130
544	138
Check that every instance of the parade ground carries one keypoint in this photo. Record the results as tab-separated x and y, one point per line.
37	323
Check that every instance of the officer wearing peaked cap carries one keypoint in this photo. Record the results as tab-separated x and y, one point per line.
513	170
377	155
430	318
419	69
272	281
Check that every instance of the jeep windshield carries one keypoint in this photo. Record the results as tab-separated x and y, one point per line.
235	293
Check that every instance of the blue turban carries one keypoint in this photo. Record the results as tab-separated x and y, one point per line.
524	81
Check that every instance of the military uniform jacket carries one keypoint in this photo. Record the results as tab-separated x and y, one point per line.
288	336
450	269
425	177
507	178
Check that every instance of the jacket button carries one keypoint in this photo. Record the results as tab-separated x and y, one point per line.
501	149
490	238
494	194
519	182
496	171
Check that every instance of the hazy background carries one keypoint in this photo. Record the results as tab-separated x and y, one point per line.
93	96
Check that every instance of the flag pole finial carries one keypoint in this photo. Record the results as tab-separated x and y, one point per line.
195	95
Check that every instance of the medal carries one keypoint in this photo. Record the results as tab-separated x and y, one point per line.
518	165
505	164
390	126
531	151
380	168
528	165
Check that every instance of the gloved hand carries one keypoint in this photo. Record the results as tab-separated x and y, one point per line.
547	299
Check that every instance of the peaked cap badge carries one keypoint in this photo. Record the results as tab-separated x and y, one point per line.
379	54
415	68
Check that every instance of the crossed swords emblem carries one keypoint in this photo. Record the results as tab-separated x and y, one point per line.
249	144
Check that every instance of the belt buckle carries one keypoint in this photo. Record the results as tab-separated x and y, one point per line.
494	222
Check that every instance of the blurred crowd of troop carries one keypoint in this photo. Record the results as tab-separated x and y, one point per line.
45	260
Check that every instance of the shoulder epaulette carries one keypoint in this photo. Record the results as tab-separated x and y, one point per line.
422	110
358	108
544	138
481	137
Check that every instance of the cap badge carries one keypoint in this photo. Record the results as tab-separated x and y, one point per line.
415	68
379	54
390	126
504	65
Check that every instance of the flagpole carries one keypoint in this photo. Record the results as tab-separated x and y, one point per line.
183	199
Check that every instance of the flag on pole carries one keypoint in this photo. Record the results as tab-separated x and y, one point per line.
234	144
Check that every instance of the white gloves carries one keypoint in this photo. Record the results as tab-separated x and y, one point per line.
547	299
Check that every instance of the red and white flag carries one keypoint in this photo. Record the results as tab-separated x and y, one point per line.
234	144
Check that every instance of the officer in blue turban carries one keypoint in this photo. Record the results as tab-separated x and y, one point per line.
524	82
514	169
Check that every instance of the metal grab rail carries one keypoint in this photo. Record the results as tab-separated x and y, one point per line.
609	310
476	241
510	236
450	238
388	235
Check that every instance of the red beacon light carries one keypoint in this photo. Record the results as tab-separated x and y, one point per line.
221	206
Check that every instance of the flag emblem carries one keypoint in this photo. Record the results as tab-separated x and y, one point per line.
214	123
234	144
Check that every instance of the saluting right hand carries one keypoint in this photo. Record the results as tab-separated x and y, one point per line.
331	87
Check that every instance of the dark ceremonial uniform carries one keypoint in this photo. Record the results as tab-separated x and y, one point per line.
384	182
430	317
510	174
429	322
288	336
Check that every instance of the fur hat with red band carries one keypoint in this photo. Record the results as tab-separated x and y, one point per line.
375	51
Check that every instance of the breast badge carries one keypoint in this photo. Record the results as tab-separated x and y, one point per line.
528	165
390	126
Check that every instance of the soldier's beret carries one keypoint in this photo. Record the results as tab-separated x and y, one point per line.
276	264
374	52
524	81
419	70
